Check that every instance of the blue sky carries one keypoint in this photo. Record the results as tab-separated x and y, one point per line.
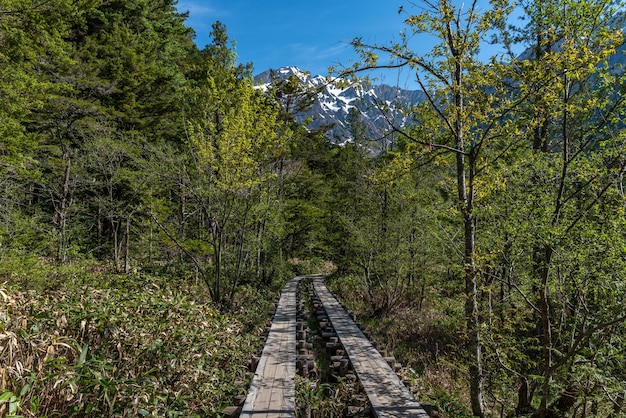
309	35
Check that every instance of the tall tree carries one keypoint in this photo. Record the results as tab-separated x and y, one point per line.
36	41
467	97
229	177
577	155
119	83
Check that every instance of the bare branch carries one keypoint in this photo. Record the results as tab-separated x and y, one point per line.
187	253
522	294
585	336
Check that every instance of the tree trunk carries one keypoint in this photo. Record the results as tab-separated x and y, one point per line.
150	240
472	316
62	211
466	206
127	246
240	254
99	226
218	243
546	331
116	244
543	269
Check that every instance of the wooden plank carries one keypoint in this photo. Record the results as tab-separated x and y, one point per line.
386	393
272	391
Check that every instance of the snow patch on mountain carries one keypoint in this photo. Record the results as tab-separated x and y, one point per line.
334	99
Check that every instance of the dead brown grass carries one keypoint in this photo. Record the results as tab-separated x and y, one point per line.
145	350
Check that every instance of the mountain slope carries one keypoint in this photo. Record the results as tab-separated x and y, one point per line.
333	102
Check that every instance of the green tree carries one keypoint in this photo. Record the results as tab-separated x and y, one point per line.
466	97
356	127
230	175
33	36
569	186
119	83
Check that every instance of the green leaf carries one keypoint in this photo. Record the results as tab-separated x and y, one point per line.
14	404
5	397
83	355
25	389
34	404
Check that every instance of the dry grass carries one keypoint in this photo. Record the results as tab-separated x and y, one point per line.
144	348
428	341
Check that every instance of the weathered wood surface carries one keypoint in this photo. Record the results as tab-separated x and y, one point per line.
272	391
386	393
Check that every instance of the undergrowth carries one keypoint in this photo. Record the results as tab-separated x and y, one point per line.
324	399
323	395
427	341
96	344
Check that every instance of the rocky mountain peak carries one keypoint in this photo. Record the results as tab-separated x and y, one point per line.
334	100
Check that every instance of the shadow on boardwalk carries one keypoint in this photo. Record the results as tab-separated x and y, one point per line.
272	392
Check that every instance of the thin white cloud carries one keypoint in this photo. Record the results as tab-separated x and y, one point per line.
201	15
314	53
335	50
198	9
314	58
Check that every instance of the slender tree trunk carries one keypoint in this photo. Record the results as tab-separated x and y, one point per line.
544	267
150	239
99	225
62	211
542	255
116	244
127	246
218	244
544	306
259	255
471	295
182	208
466	206
240	253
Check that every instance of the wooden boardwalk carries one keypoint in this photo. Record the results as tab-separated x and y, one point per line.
272	391
386	393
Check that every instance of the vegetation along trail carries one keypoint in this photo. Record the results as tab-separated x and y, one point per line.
272	391
155	198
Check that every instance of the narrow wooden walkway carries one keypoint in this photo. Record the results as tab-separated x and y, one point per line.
386	393
272	391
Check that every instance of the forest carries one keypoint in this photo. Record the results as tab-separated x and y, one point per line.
154	203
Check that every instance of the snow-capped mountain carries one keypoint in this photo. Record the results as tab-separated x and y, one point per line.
332	102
